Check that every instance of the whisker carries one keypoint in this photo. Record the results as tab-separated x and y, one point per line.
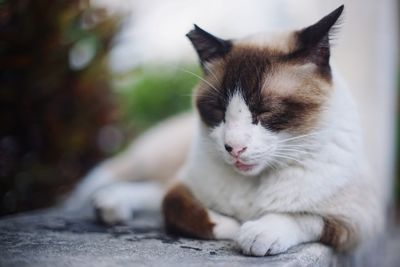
293	150
260	153
209	70
273	164
287	157
176	67
204	80
298	146
212	96
299	136
278	150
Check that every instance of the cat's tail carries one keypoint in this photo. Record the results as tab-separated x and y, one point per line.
155	156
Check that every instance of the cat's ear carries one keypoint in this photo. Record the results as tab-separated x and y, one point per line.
314	41
208	47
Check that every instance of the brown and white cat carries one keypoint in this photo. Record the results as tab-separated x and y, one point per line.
273	156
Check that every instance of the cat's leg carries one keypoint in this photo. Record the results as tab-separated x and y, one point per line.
339	234
184	215
116	203
137	162
276	233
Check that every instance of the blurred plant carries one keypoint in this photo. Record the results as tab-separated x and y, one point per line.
54	97
150	94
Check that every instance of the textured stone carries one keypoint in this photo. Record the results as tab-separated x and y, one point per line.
50	238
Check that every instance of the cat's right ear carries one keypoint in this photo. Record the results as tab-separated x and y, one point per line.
208	46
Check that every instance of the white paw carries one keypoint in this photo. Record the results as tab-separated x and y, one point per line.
224	227
115	204
111	206
79	199
268	236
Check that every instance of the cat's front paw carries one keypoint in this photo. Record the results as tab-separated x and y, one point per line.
268	236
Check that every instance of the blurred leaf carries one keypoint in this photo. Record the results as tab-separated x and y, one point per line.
83	52
155	93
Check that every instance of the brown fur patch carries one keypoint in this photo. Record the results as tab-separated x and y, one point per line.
281	94
337	234
184	215
293	97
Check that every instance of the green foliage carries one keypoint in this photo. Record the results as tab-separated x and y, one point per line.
155	93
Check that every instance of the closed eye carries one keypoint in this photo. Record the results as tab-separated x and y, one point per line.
211	112
260	115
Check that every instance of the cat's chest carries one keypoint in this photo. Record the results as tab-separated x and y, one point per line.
224	191
221	189
223	194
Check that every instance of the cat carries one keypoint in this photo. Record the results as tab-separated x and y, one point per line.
274	150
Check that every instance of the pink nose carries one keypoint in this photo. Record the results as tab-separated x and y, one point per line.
235	151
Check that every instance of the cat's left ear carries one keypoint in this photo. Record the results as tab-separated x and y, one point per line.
313	41
208	47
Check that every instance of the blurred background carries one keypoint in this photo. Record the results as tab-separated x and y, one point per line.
80	79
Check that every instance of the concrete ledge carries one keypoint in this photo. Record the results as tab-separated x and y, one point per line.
50	238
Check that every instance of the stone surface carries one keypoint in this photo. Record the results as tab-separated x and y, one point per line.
50	238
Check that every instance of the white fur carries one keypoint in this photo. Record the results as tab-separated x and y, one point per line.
224	227
325	173
239	131
97	178
116	203
275	233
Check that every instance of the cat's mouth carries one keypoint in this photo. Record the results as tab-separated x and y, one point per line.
243	167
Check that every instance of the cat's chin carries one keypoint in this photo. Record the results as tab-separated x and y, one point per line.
248	169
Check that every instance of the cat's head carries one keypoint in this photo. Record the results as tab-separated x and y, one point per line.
261	94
